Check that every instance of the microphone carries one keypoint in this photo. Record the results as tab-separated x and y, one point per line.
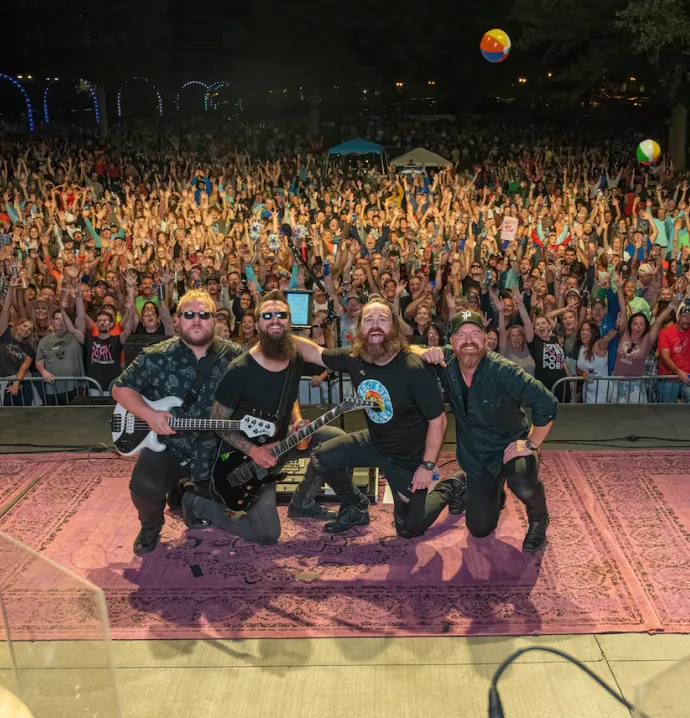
495	706
286	229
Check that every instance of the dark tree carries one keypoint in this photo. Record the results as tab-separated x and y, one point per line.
592	39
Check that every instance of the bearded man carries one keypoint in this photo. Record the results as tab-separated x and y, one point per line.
188	366
257	382
405	433
494	442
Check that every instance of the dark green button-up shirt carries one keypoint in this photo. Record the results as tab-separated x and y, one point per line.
169	368
495	416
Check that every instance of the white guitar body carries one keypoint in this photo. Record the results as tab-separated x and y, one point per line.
127	425
131	434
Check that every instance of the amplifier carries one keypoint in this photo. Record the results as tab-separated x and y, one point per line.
367	480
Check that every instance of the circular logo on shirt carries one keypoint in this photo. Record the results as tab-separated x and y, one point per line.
374	390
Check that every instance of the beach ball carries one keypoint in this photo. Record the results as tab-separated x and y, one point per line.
495	46
648	152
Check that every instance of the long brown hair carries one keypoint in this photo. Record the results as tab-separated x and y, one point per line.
395	343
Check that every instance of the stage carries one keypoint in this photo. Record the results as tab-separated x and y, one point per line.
366	609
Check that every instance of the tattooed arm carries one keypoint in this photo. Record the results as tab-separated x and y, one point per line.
260	454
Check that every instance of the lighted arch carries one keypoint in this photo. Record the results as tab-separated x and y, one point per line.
192	82
29	108
214	87
89	87
143	79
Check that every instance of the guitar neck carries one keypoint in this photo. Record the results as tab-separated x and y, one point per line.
286	444
180	424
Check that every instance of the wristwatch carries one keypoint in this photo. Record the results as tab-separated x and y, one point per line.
529	444
428	465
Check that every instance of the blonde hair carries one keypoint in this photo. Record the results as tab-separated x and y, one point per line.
197	295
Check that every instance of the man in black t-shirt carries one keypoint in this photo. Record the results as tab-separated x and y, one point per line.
102	352
404	436
254	382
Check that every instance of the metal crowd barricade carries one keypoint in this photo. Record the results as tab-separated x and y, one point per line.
617	390
35	391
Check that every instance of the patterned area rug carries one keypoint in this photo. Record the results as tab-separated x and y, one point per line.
17	471
616	560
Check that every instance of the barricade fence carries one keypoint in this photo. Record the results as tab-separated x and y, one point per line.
594	389
35	391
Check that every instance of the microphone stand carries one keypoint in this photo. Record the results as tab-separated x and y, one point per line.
331	318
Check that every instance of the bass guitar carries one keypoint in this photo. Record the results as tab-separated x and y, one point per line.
237	479
131	434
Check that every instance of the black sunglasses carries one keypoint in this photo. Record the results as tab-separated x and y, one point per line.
278	315
202	315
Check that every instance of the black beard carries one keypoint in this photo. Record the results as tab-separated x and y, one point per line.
278	348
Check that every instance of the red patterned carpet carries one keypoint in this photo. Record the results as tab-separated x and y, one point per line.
617	560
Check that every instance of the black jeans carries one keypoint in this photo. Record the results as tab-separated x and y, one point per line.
414	511
261	524
483	498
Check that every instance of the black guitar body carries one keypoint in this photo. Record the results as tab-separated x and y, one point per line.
237	480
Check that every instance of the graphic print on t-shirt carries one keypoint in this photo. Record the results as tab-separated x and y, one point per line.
553	356
374	390
101	354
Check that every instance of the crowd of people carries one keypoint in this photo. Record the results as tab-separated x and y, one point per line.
576	256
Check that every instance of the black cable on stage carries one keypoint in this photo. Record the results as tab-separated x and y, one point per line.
495	706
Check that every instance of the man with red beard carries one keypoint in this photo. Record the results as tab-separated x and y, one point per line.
405	433
494	442
255	382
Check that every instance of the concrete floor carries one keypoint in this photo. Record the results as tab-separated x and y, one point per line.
397	677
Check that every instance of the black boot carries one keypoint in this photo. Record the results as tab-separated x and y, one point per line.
536	535
147	540
455	489
190	520
350	516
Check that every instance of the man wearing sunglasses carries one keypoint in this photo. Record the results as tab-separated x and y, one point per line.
170	368
255	382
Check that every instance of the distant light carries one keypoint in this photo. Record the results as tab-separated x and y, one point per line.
549	74
431	82
364	90
398	84
56	79
20	77
522	80
29	77
633	79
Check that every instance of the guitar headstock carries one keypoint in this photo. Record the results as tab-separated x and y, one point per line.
355	404
253	426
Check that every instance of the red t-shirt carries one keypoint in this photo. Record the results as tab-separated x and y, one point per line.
678	343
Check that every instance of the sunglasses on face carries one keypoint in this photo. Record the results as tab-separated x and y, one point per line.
202	315
278	315
476	266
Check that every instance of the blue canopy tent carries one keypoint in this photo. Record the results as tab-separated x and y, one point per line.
358	147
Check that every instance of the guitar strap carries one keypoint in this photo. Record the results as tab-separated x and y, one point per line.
204	370
282	406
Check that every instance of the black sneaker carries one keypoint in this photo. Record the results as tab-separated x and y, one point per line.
315	511
536	535
190	520
349	517
147	540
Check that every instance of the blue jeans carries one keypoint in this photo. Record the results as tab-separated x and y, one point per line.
671	391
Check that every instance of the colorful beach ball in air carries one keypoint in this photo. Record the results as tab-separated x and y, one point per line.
648	152
495	46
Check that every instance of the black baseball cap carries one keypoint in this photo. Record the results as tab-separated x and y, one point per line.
466	317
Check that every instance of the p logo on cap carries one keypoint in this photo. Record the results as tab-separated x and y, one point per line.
466	315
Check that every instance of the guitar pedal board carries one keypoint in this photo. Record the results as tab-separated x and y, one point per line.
367	480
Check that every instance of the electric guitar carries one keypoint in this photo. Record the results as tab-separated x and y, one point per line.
131	434
237	479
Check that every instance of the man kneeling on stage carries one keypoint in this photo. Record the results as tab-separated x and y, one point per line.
495	444
266	380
